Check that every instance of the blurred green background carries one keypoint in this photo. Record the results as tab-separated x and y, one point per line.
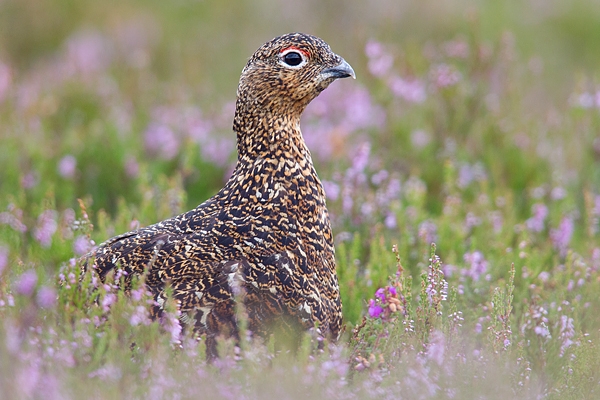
472	124
162	52
205	43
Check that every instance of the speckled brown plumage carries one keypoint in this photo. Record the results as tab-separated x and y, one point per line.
266	236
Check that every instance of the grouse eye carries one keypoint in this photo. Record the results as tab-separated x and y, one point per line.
292	58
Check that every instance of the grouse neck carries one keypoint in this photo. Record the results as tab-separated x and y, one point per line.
264	133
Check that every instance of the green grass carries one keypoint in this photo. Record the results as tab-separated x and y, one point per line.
480	136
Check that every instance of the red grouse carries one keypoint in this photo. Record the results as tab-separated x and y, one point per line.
265	238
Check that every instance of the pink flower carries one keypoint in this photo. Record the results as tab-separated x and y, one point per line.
332	190
46	297
173	326
140	316
428	231
132	168
544	276
375	309
444	75
380	66
82	245
478	264
25	285
390	221
46	227
411	90
88	51
5	80
420	138
536	222
29	180
437	348
4	252
374	49
561	237
456	48
67	166
108	300
162	141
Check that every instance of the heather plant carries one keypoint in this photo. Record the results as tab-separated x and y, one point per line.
461	170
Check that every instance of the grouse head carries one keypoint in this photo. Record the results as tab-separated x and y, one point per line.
286	73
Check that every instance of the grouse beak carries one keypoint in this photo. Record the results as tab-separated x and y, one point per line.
342	70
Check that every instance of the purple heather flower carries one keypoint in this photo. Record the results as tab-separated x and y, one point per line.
561	237
497	221
360	112
412	90
361	159
108	300
14	218
46	227
449	270
390	220
456	48
367	209
82	245
544	276
4	252
428	231
582	100
393	291
381	65
542	330
380	293
46	297
558	193
567	332
465	176
88	51
375	309
140	316
444	75
379	177
217	151
468	173
478	264
393	189
347	200
570	286
5	80
29	180
471	221
536	222
196	127
374	49
132	168
160	140
437	347
595	214
332	190
67	167
25	285
173	326
420	138
138	294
